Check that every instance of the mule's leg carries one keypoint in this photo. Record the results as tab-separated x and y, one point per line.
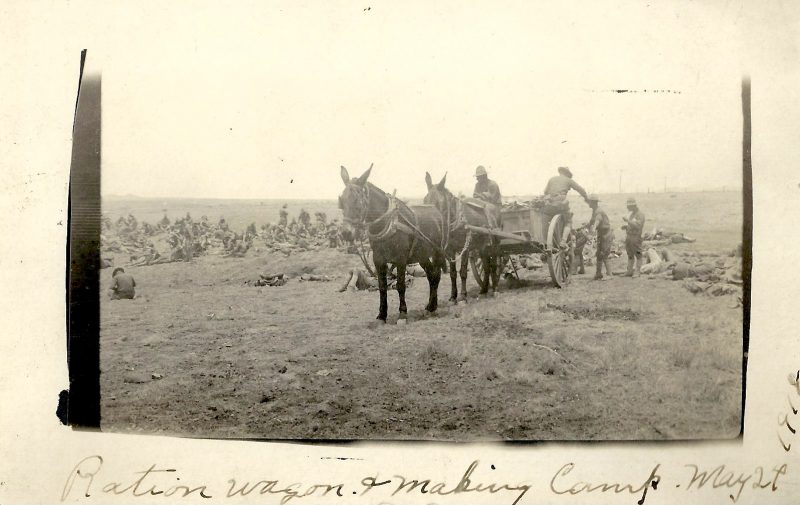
463	273
437	276
485	260
401	289
495	270
381	270
434	274
453	281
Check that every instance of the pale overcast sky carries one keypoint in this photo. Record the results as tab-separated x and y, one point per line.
267	100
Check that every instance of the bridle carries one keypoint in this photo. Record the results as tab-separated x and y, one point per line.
362	201
453	219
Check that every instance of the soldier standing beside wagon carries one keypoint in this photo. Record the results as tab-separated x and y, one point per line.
633	238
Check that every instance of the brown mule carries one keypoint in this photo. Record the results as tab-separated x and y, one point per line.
459	240
398	234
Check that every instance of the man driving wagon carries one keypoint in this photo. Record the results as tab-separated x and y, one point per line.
488	193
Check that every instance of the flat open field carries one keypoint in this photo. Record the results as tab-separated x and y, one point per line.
618	360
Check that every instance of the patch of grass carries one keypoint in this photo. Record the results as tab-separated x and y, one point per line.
601	313
682	357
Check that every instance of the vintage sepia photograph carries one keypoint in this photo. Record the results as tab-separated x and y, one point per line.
522	228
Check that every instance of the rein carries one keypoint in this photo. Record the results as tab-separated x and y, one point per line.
453	221
363	255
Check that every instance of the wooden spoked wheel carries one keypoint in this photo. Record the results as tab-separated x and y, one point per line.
559	250
478	271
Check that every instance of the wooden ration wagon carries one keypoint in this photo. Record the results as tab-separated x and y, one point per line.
531	231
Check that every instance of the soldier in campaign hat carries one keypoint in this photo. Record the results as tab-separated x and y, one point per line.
558	186
634	225
605	235
486	189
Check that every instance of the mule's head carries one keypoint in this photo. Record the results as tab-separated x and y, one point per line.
438	195
354	200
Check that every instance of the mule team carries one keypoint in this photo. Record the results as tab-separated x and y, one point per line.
434	233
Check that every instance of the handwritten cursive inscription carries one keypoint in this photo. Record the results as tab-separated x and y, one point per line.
560	484
87	469
288	492
720	477
88	479
400	484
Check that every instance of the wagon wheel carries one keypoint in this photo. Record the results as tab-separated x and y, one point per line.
559	250
476	263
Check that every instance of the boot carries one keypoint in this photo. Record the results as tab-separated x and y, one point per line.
599	274
629	273
608	269
637	272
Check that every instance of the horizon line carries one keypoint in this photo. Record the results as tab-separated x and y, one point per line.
130	196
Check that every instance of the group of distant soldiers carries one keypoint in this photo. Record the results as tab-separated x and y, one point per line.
188	238
555	199
302	233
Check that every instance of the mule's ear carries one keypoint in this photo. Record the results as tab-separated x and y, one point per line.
345	175
363	179
441	183
428	180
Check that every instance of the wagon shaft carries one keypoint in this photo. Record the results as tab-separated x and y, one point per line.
498	233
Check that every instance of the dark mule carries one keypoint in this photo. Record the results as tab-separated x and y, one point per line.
460	240
398	234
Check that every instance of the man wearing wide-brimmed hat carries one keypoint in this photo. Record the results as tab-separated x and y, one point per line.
559	185
605	235
487	196
633	237
486	189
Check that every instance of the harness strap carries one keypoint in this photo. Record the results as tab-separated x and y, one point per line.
394	220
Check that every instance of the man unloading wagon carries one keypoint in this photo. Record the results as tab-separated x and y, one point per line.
555	192
555	202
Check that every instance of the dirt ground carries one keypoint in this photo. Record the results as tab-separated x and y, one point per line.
199	353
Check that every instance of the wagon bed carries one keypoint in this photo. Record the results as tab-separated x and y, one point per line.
533	231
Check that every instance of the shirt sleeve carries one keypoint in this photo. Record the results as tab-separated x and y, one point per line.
495	191
577	187
476	193
637	221
605	223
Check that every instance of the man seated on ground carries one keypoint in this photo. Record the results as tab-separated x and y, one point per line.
488	192
123	285
148	258
365	280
